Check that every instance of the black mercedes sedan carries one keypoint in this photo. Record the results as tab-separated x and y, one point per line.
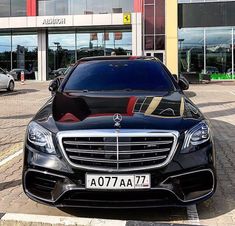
119	133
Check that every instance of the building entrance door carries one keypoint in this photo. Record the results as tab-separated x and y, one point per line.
158	54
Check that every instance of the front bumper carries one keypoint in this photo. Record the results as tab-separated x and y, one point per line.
174	191
188	179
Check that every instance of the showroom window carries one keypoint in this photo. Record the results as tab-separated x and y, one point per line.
5	51
61	50
219	53
19	50
24	51
104	43
191	50
80	7
18	8
109	6
193	1
66	48
154	25
14	8
207	51
5	8
52	7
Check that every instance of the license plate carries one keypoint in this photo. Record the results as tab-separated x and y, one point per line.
117	182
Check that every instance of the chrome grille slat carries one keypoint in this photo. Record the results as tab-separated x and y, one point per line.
118	150
120	161
88	143
121	152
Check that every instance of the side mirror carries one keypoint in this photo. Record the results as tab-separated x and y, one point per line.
53	87
183	83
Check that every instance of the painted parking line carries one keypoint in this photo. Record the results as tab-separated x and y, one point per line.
233	93
11	157
12	93
193	218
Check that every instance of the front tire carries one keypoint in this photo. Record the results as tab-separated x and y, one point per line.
11	86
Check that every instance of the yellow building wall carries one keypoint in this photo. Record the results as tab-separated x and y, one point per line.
172	36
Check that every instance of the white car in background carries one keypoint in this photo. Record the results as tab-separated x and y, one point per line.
6	81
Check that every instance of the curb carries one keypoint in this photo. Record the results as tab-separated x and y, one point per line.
28	219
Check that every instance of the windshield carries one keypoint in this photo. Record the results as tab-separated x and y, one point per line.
119	75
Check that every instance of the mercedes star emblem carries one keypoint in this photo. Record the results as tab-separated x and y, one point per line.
117	118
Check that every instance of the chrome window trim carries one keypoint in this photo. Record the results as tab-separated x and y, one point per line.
119	133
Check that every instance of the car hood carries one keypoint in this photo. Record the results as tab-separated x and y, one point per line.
158	111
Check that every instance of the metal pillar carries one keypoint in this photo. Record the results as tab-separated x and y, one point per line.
42	55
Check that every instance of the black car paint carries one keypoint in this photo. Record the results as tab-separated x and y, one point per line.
95	110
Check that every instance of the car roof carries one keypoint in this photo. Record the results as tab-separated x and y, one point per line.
103	58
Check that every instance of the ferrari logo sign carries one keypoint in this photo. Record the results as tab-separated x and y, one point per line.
127	18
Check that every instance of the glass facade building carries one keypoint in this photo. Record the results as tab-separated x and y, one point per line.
206	38
45	35
80	7
66	45
63	48
66	48
154	25
18	8
13	8
207	50
16	47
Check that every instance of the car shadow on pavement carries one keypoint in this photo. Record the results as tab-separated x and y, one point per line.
137	223
221	113
9	184
210	104
190	94
17	92
11	142
18	116
13	127
163	214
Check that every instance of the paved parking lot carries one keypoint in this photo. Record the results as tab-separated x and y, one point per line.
216	100
16	109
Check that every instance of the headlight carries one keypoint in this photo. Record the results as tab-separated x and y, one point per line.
199	134
41	137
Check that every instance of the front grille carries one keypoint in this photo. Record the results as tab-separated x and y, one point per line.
118	151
